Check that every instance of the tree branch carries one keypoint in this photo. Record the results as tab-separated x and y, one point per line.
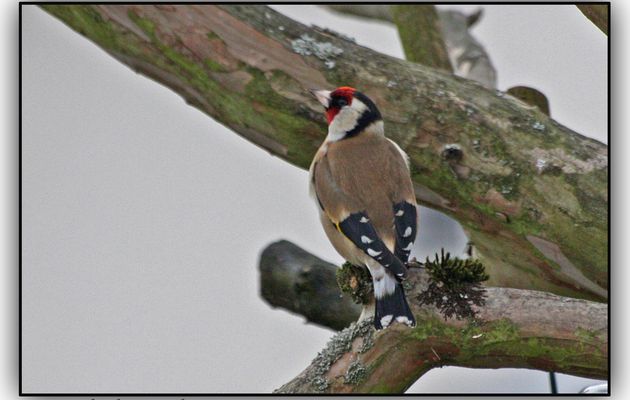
467	56
515	328
249	67
421	36
597	13
302	283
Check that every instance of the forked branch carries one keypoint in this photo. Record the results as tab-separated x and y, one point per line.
514	328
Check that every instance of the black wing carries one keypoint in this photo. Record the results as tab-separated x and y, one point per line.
358	228
406	225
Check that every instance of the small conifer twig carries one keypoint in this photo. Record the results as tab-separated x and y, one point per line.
454	285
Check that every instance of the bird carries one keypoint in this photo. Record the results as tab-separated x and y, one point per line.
361	183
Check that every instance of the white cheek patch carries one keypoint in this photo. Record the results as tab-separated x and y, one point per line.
345	120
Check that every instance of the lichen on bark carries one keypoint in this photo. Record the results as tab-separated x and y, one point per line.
515	328
494	191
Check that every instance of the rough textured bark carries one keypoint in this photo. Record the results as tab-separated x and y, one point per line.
421	36
515	328
597	13
530	193
302	283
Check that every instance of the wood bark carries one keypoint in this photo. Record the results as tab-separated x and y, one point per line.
467	56
515	328
299	282
531	194
597	13
421	36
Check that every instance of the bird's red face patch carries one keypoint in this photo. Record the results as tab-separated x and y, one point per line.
339	97
331	113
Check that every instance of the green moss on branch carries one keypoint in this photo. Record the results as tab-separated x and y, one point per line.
356	281
420	34
495	190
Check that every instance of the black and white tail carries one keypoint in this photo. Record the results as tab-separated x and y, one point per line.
392	307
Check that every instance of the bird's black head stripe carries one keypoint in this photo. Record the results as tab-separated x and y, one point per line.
369	116
369	103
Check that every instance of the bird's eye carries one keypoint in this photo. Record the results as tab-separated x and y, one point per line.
342	102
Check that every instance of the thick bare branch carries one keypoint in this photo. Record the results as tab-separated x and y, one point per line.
521	177
421	35
302	283
515	328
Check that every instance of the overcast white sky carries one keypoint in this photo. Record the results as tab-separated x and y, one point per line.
135	205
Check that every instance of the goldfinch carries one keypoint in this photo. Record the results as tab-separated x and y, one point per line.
361	183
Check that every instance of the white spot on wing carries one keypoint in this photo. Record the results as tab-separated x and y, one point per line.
373	253
365	239
400	213
407	232
403	319
364	220
408	248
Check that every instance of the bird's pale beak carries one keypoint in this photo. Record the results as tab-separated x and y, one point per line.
323	96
